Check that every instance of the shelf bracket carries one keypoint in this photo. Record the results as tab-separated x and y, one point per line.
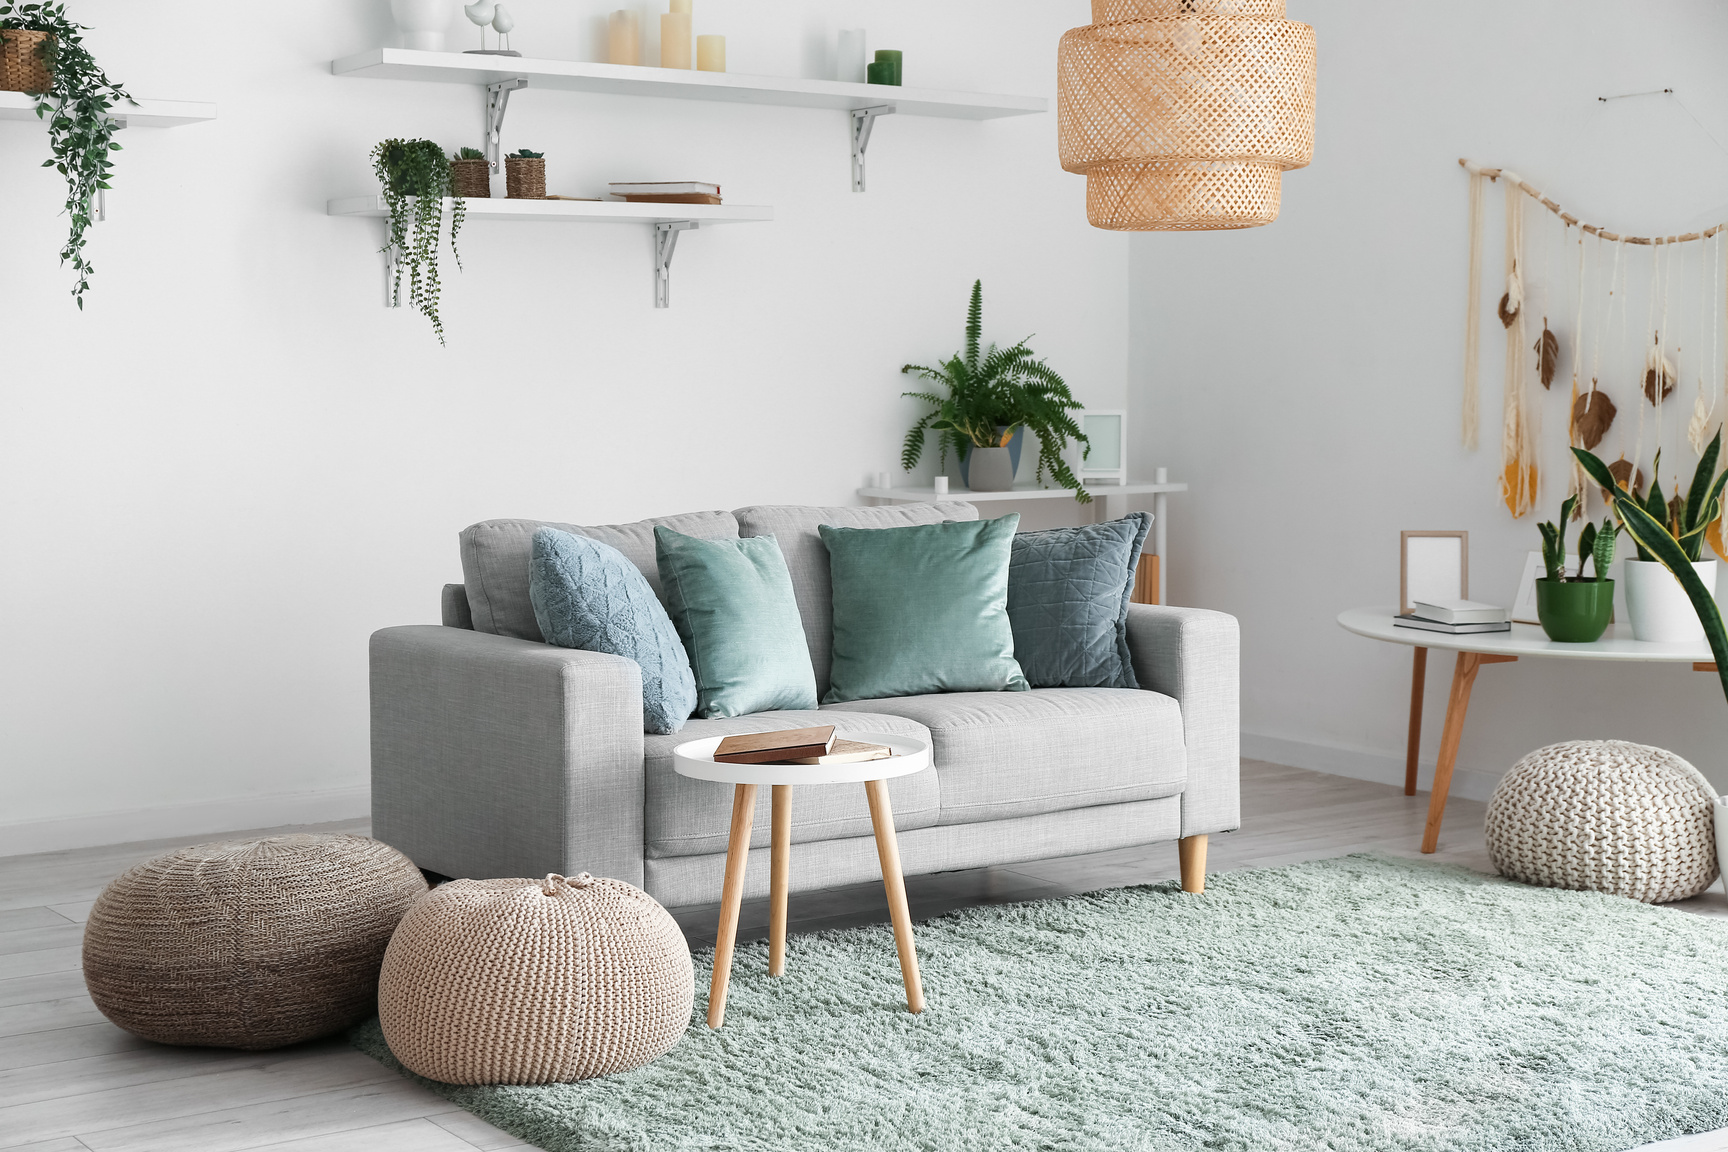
99	204
863	120
497	101
391	297
666	243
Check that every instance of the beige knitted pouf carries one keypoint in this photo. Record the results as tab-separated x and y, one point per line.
534	981
1605	816
251	944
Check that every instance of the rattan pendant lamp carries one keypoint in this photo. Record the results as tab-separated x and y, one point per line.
1184	115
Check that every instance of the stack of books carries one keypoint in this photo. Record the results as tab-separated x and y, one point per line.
672	192
1457	617
798	746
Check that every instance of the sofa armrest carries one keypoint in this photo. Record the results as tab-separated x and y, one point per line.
500	757
1193	655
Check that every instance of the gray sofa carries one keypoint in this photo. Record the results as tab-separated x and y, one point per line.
495	754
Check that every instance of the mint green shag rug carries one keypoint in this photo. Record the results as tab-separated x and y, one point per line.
1363	1003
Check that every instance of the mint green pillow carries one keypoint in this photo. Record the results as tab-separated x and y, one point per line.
922	609
732	603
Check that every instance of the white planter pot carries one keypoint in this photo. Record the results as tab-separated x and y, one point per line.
423	22
1659	606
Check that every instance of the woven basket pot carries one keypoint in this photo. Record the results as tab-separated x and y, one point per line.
21	69
1605	816
525	177
251	944
534	981
471	179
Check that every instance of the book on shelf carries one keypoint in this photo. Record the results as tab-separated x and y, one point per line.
1409	621
848	752
768	747
672	198
1460	612
663	188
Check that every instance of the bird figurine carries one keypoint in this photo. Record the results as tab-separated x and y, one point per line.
502	22
481	13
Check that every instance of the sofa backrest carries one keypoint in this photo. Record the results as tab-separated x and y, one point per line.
794	527
495	560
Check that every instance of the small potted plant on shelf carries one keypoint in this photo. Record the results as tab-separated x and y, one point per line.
993	396
416	179
1576	609
525	175
471	174
1655	600
42	53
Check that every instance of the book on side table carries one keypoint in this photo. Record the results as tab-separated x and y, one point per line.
770	747
1455	617
848	752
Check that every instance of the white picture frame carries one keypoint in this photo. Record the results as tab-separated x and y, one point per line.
1107	430
1432	567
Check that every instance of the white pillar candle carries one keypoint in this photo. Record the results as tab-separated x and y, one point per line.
849	61
711	53
882	480
675	40
941	485
624	38
681	6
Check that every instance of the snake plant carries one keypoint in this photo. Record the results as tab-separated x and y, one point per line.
1673	538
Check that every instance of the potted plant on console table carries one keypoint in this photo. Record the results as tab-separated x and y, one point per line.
1576	610
994	396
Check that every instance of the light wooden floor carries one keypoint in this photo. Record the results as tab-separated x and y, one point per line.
72	1082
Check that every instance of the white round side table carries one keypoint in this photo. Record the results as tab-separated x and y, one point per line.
696	760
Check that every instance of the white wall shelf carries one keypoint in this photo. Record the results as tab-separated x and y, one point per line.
142	114
667	220
500	75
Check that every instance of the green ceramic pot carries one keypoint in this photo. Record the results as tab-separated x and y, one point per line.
1574	611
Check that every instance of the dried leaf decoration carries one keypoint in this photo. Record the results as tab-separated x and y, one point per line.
1713	535
1518	487
1592	416
1658	369
1508	312
1513	301
1547	354
1621	470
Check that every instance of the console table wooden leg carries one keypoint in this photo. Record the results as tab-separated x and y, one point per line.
779	879
1463	680
1418	681
731	897
888	851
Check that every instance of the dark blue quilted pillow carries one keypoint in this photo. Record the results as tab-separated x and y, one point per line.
1068	594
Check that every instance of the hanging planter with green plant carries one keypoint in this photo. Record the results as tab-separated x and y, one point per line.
76	105
416	179
992	393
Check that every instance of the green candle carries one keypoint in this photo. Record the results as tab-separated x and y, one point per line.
887	68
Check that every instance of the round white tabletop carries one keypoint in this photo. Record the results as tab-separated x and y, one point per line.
1523	640
696	760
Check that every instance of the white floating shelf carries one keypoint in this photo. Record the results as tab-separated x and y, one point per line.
930	495
578	211
143	114
680	83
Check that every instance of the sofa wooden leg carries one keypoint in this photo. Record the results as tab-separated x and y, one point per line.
1192	851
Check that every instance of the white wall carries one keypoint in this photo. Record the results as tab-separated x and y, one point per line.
1306	376
218	479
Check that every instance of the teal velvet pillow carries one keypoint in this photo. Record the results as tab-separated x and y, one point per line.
921	609
1068	594
732	603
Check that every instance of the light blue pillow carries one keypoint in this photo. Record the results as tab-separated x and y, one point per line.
587	595
921	609
1068	596
732	603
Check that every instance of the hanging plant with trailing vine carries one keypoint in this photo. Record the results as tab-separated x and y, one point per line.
76	107
416	179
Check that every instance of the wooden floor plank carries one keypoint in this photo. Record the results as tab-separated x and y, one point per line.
60	934
420	1135
43	960
66	1144
476	1131
76	912
49	1015
237	1129
32	1049
44	986
93	1075
16	919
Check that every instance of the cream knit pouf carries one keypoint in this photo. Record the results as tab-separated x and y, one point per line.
1605	816
534	981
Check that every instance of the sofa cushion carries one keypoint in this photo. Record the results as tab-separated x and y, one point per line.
1068	594
794	527
685	817
1001	755
495	562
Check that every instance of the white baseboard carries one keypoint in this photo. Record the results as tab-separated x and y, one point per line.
1359	764
203	818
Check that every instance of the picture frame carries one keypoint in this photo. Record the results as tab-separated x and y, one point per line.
1107	431
1432	566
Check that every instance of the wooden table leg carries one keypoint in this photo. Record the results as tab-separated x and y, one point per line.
731	897
779	879
888	850
1463	680
1418	681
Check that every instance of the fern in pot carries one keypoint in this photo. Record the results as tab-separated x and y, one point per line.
992	397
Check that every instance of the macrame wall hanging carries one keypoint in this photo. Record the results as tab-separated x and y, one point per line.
1562	273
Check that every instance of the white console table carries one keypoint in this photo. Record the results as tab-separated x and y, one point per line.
1109	502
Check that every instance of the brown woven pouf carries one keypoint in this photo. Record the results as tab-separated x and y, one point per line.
534	981
1605	816
249	944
